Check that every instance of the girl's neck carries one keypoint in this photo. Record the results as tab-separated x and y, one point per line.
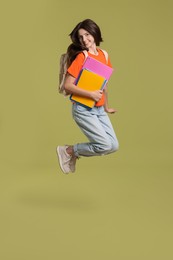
93	50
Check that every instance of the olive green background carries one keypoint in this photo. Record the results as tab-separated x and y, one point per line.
114	207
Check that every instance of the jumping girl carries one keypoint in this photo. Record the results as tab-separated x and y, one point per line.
94	123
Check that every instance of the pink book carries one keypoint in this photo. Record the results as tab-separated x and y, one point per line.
97	67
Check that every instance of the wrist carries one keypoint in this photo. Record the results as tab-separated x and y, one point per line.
105	107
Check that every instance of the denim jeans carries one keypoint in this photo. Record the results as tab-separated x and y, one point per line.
96	125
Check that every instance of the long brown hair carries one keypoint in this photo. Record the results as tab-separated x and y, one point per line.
75	47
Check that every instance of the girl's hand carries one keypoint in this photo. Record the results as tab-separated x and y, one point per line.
96	95
110	110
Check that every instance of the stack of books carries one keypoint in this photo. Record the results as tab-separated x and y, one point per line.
94	75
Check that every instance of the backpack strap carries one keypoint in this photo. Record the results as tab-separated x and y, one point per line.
85	54
105	54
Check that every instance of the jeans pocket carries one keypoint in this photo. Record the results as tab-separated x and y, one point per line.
79	108
79	112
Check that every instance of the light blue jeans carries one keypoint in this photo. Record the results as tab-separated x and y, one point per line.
96	125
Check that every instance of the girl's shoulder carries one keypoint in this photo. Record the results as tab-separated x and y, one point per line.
76	65
102	56
81	56
105	54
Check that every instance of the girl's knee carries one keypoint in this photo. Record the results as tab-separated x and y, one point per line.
106	148
102	148
115	146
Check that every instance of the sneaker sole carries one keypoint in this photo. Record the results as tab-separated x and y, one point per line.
59	159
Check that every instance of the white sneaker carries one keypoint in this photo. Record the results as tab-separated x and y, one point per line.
64	159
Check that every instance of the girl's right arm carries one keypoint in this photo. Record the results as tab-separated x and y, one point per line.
71	88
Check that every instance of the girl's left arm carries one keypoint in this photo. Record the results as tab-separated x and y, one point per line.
107	109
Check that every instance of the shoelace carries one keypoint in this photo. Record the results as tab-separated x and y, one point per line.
68	160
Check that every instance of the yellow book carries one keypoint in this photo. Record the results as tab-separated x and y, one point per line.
90	81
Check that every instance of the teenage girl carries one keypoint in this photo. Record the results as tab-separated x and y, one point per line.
94	123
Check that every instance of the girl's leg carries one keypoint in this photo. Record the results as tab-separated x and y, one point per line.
107	125
96	125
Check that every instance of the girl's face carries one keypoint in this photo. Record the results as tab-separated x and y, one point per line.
86	39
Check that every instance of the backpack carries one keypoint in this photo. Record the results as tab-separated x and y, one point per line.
64	68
